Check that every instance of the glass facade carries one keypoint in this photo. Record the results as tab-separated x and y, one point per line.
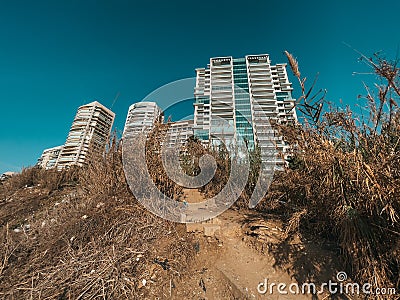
247	93
243	118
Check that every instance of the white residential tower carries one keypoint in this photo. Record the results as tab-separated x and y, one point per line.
141	118
246	94
88	136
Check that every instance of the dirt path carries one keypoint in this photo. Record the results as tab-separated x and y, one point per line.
243	265
227	267
230	265
192	196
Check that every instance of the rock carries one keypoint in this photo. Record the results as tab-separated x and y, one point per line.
193	227
211	229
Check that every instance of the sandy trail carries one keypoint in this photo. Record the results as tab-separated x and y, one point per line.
228	266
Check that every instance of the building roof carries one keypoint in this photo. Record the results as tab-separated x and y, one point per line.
144	103
98	104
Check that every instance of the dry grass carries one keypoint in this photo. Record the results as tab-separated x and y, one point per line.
343	184
86	239
49	180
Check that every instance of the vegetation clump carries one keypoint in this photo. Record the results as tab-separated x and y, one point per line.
80	234
343	180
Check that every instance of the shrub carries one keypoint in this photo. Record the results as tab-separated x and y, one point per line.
343	183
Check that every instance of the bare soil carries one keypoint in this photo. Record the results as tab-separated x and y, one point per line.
243	253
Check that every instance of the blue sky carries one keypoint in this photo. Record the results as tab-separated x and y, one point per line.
58	55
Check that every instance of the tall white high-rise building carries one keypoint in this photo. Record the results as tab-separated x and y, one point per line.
244	94
49	157
88	136
141	118
179	132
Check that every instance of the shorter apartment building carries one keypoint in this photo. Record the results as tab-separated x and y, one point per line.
49	157
179	132
141	118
